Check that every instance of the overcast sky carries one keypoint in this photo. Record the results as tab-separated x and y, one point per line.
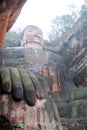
42	12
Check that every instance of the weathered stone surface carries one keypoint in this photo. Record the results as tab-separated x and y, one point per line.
74	53
73	49
76	59
35	61
20	114
51	120
68	97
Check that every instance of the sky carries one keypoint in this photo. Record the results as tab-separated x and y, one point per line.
41	13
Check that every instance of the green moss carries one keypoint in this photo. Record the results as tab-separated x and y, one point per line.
79	93
57	98
74	111
6	79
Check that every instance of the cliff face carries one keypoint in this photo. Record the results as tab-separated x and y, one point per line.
73	49
74	52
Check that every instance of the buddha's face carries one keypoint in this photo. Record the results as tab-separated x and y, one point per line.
32	36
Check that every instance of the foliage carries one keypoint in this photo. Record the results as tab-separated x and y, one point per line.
73	12
83	11
60	26
12	38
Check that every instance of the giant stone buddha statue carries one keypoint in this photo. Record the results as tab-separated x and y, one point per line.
70	99
17	102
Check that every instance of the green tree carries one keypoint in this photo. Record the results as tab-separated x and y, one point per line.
83	11
74	12
60	26
12	38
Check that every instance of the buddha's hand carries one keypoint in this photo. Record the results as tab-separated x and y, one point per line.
23	84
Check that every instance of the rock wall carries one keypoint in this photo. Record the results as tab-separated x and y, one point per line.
74	53
18	115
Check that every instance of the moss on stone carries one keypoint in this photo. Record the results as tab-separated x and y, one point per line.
5	77
74	111
79	93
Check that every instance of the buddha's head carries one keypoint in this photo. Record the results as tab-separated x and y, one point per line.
32	36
